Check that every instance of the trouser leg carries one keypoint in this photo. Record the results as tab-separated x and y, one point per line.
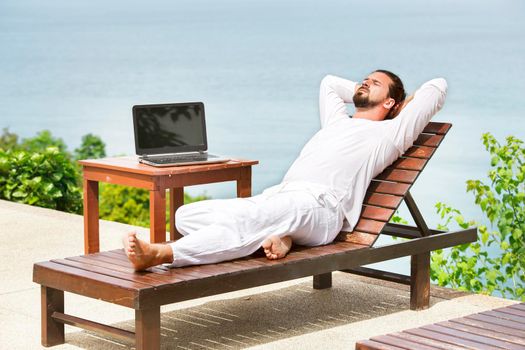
192	217
235	228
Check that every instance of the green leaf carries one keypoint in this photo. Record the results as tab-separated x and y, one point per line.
19	194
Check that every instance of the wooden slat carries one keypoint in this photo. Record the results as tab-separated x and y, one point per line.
108	259
369	226
103	256
485	340
429	140
94	326
105	271
340	247
363	238
334	248
373	345
437	128
382	200
420	152
448	339
376	213
393	188
486	325
410	164
152	273
518	306
511	311
498	321
379	274
484	332
187	274
101	263
396	175
501	328
225	268
118	255
249	264
505	316
402	343
427	341
294	255
111	289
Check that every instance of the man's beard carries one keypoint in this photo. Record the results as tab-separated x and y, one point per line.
361	100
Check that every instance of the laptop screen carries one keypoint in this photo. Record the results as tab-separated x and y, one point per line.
169	128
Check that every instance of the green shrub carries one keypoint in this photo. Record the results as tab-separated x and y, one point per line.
41	141
8	140
46	179
130	205
502	200
92	147
40	171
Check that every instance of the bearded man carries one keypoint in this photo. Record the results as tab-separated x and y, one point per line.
322	191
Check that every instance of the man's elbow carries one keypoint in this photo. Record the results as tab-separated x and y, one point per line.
326	81
440	87
440	84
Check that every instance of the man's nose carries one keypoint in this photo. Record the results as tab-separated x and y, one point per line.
365	84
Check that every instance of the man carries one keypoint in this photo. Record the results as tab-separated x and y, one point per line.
323	189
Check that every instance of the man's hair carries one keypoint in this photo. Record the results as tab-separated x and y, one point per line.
396	90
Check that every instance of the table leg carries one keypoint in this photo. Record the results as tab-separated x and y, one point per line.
244	182
91	216
176	201
157	216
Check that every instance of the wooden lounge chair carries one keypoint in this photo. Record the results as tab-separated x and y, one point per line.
110	277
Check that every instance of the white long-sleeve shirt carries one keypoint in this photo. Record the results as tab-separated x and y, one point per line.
347	153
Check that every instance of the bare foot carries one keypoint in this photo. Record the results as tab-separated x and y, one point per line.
143	254
276	247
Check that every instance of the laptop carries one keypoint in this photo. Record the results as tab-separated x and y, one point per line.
172	134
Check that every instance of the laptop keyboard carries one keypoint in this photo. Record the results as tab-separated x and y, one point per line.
180	159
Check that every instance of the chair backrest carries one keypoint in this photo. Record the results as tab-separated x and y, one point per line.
388	189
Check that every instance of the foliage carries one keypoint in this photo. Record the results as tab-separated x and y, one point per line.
41	141
40	171
92	147
130	205
47	179
502	200
8	140
397	219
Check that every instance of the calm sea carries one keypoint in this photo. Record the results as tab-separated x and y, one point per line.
78	67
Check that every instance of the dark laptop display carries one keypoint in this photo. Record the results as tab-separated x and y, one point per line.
171	134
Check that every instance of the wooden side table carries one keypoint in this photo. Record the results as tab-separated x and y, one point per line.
129	172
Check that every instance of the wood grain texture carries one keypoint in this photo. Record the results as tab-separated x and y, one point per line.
486	330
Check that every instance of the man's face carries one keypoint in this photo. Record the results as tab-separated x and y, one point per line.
372	91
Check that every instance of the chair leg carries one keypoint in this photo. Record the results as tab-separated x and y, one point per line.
52	300
420	281
323	281
147	329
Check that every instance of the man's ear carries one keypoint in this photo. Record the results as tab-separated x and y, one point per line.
389	103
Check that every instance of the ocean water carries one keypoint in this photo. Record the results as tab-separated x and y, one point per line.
78	67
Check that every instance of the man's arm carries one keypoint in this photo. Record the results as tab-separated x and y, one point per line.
333	94
416	113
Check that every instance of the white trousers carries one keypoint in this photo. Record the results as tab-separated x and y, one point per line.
225	229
